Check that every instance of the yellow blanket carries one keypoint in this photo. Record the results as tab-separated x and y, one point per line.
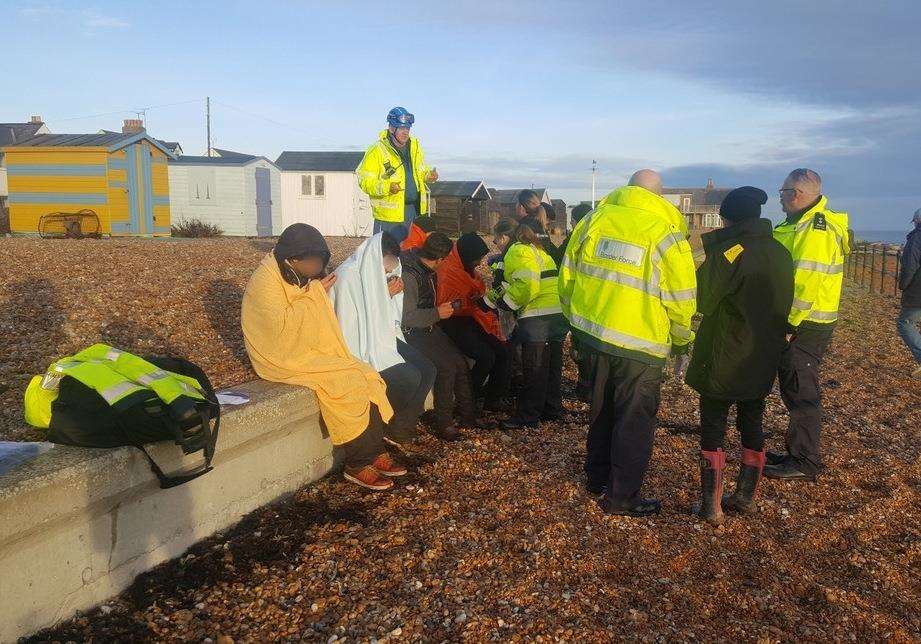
292	336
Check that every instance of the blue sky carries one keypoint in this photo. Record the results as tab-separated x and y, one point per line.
516	93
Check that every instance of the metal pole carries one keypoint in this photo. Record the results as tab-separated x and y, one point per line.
208	120
594	163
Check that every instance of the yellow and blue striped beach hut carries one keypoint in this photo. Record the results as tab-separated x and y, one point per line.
123	178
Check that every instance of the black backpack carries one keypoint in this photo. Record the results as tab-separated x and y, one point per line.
81	417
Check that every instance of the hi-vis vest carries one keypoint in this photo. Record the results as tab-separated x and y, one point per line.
531	278
627	281
120	378
818	243
381	165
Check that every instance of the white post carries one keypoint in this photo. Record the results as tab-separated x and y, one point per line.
593	183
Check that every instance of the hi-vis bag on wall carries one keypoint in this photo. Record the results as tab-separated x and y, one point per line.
88	410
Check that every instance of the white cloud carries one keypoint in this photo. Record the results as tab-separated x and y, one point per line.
90	19
95	20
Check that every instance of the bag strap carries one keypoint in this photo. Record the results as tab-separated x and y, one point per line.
168	481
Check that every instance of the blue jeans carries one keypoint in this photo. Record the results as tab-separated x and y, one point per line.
909	321
399	230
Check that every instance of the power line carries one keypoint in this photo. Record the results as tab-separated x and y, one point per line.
127	110
287	126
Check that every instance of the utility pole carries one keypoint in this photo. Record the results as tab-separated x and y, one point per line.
208	121
594	163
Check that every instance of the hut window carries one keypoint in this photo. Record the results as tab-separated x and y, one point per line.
319	185
305	185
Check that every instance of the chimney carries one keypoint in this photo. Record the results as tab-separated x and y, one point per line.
709	181
36	119
133	126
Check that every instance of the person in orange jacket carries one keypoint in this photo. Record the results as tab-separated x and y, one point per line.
419	231
474	327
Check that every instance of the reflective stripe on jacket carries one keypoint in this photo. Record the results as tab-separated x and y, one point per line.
381	166
117	376
627	281
818	242
531	275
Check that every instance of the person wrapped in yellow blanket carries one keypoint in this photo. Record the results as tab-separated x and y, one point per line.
292	336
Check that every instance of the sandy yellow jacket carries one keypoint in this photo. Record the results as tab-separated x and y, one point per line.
292	336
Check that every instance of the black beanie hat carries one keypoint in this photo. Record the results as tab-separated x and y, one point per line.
471	248
743	203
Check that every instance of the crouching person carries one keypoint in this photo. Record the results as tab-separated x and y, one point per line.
368	298
744	291
292	336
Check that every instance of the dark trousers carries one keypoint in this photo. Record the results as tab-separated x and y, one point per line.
798	376
452	379
623	421
408	384
584	358
714	414
492	360
367	446
542	375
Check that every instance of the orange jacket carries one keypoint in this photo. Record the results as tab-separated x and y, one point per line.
455	283
414	239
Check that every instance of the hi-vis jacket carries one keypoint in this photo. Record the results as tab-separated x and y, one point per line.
627	281
531	278
381	165
818	242
120	378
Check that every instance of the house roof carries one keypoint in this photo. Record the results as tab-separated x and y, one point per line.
111	140
231	153
240	159
11	133
468	189
700	196
507	197
344	161
172	146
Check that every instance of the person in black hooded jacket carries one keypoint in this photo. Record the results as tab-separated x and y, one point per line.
744	291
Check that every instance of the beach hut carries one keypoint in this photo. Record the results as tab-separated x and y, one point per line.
460	206
320	188
111	184
239	193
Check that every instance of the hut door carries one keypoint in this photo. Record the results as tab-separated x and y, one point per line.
263	203
146	188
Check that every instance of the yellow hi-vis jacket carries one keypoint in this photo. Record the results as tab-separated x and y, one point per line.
381	166
673	215
627	281
119	377
818	242
531	276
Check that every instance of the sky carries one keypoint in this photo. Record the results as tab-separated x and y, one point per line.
519	94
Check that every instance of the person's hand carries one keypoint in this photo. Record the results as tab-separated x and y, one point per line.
394	187
789	337
432	176
395	286
445	310
328	281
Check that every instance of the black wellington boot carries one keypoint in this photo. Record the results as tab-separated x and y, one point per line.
711	487
743	499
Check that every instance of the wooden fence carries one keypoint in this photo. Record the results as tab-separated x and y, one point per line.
875	266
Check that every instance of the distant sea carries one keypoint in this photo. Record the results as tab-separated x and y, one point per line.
884	236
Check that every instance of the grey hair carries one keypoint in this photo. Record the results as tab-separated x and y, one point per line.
807	178
916	220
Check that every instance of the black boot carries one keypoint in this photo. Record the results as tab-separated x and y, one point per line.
743	499
711	486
